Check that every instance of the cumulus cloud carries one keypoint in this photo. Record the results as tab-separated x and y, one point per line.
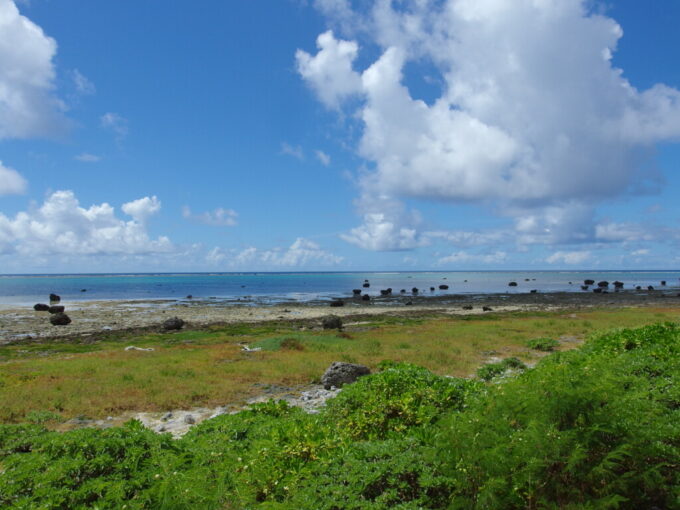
11	181
302	253
61	226
86	157
532	116
329	73
220	217
28	106
463	257
142	208
323	158
387	226
568	257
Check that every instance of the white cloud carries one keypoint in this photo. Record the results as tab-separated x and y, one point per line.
116	123
61	226
323	158
568	257
86	157
329	73
462	257
387	226
532	115
11	182
302	253
220	217
28	106
82	84
142	208
294	151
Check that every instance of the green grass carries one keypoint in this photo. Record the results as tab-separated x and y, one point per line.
595	427
207	367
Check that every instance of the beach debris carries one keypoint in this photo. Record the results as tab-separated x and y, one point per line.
589	282
331	322
173	323
337	302
245	348
54	298
133	348
341	373
443	287
41	307
60	319
366	297
56	309
512	284
189	419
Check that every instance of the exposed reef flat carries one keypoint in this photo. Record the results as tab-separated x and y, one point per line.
96	318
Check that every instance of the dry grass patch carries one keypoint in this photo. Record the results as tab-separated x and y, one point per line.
212	370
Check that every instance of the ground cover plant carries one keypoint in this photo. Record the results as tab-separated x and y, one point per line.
67	379
594	427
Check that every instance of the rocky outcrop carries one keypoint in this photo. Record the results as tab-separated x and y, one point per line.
341	373
512	284
41	307
589	282
603	284
331	322
60	319
54	298
173	324
56	309
443	287
337	302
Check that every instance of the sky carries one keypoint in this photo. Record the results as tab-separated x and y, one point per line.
333	135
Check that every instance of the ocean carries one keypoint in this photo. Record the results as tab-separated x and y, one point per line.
302	286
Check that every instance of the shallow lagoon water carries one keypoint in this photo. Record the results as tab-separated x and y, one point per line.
269	288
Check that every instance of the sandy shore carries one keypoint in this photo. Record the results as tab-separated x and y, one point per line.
96	318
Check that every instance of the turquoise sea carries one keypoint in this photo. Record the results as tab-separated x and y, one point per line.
303	286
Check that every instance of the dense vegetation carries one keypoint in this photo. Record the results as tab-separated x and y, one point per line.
597	427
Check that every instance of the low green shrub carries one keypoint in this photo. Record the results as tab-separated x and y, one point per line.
592	428
399	397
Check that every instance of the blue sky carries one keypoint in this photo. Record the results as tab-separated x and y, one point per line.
338	135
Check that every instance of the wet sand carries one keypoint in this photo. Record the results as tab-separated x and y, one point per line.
93	319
